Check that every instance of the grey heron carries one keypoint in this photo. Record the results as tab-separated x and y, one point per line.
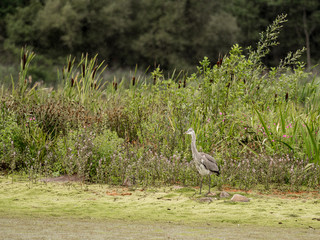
205	164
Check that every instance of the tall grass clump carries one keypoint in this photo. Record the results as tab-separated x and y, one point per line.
83	82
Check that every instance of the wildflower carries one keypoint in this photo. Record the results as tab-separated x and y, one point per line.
284	136
272	140
220	113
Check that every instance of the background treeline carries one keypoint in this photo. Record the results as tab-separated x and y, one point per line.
174	34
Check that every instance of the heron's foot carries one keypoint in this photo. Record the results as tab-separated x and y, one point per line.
211	194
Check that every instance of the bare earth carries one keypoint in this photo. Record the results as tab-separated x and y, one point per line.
51	228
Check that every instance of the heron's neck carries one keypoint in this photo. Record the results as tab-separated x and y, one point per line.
193	144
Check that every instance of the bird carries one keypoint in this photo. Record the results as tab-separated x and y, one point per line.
205	164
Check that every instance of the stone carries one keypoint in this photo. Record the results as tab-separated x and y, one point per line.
239	198
224	194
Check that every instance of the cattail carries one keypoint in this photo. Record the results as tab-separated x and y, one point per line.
72	82
94	72
244	81
24	61
287	96
179	84
83	70
211	80
275	97
69	66
115	85
184	83
133	81
219	62
154	80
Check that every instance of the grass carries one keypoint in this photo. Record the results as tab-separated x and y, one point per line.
165	204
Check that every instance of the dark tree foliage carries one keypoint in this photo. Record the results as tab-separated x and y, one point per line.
172	34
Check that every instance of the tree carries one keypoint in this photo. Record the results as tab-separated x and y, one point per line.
21	27
307	15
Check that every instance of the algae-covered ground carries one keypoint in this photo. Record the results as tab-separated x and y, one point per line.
76	211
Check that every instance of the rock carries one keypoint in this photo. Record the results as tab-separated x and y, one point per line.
224	194
239	198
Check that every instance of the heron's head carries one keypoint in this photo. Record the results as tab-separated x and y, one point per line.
190	131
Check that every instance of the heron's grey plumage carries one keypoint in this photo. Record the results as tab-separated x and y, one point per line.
205	164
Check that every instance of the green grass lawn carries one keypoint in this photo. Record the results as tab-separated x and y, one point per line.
175	204
72	211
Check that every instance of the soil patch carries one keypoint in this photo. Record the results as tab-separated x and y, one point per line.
53	228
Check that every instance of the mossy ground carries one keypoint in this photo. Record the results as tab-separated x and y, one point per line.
175	205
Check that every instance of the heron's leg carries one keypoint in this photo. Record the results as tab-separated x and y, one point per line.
209	176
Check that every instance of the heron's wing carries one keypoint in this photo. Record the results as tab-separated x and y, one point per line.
209	157
209	162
